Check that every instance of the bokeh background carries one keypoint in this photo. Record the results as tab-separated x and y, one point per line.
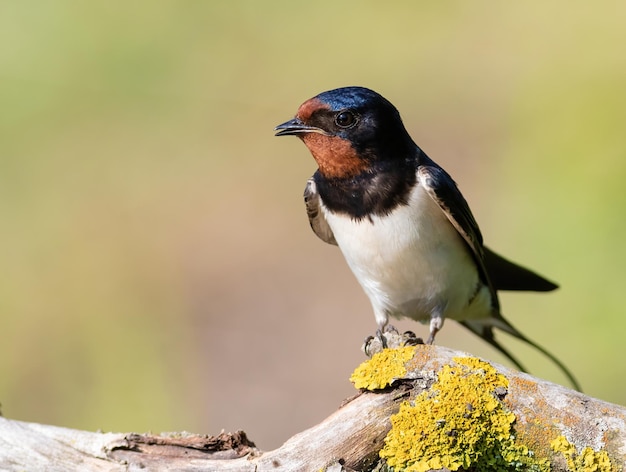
158	270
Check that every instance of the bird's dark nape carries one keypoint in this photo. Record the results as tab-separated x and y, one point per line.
486	334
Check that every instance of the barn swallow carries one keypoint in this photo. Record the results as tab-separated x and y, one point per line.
401	222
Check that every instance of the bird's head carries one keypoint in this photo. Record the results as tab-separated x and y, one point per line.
348	130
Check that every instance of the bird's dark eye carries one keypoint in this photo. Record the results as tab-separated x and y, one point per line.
345	119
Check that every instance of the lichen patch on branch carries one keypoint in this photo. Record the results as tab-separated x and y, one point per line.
459	423
382	369
587	460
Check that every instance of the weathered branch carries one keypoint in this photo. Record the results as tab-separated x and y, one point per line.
352	436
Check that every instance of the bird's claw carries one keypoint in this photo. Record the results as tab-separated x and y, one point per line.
410	339
389	337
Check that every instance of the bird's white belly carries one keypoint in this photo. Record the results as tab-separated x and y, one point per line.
412	262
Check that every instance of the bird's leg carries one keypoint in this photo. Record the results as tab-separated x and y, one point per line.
436	323
380	335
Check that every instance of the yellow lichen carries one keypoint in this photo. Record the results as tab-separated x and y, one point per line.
587	461
382	369
458	424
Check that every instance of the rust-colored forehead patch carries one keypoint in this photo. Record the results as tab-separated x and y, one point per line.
309	107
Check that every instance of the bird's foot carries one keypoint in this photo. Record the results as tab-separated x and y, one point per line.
389	337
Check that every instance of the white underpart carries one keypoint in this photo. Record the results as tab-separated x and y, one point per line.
412	263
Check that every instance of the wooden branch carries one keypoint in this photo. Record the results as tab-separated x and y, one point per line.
349	439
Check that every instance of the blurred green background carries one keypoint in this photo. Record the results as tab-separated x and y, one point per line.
158	270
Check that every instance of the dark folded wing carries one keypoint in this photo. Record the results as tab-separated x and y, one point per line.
446	194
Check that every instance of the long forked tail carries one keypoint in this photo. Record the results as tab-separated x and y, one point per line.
485	331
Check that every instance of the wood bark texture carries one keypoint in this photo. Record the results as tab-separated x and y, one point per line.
349	439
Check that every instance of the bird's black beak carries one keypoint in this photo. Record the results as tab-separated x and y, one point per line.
295	127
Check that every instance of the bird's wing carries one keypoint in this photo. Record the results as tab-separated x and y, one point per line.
506	275
445	193
442	189
500	273
314	211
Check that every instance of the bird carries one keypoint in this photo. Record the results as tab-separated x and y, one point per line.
401	222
